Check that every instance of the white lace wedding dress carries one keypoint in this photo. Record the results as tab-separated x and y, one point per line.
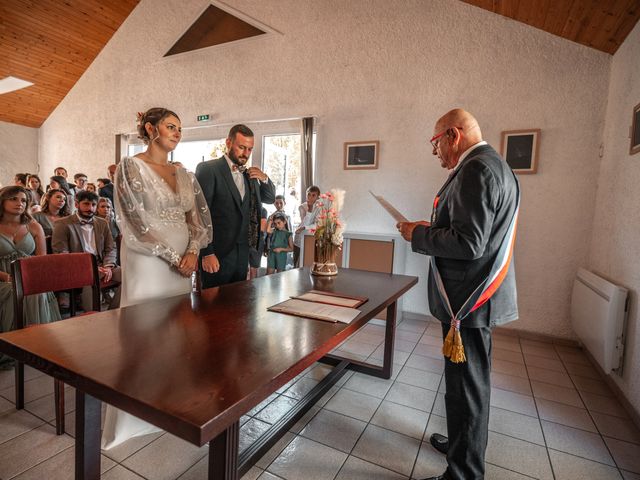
158	226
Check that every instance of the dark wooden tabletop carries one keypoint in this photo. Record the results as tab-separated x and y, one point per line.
193	365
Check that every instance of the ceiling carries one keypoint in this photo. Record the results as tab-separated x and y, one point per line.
52	42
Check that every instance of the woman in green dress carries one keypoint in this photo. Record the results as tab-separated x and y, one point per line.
20	236
54	207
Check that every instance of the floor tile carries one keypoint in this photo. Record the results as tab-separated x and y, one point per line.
602	404
276	409
630	475
305	459
626	455
427	339
262	404
519	456
306	418
577	358
419	378
583	371
405	345
568	396
433	351
416	326
166	458
359	348
565	415
388	449
429	463
401	419
357	469
120	473
33	389
543	362
399	357
250	431
429	364
504	344
507	355
16	422
513	401
335	430
299	389
509	368
319	371
410	396
493	472
569	467
131	446
6	406
60	467
553	377
437	424
275	451
616	427
376	387
510	383
516	425
590	385
439	407
353	404
576	442
45	407
42	443
541	350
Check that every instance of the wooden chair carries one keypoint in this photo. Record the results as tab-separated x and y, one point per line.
51	273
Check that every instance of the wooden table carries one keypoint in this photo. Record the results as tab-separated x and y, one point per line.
194	364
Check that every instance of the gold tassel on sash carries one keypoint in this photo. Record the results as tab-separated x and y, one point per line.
453	349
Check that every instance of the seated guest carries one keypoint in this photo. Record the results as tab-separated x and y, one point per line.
105	188
54	206
105	210
60	183
20	236
20	180
84	232
35	185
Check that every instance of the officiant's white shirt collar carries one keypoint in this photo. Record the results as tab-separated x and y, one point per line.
466	153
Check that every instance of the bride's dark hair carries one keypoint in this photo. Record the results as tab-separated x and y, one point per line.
154	116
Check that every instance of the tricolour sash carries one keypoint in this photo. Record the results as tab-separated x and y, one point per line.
453	348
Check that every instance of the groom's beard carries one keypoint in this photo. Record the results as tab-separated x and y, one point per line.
239	161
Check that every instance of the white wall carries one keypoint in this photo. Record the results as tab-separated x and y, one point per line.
18	151
372	70
615	244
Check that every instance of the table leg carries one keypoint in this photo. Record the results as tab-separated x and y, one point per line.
88	417
223	454
389	339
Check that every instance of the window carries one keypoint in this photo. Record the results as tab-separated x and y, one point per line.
190	154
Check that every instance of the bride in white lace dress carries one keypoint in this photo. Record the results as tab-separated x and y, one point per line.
165	221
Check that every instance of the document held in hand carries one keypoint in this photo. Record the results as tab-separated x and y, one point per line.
397	216
321	306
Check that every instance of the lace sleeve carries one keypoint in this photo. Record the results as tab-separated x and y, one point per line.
133	217
198	219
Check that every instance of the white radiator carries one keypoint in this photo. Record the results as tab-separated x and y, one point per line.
598	315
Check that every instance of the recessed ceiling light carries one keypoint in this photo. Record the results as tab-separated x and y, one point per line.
9	84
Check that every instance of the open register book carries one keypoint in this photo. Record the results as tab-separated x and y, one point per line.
331	307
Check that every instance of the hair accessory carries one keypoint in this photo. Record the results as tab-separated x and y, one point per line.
139	116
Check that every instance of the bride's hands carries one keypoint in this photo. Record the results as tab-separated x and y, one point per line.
188	264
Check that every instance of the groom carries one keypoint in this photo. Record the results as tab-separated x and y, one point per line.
235	195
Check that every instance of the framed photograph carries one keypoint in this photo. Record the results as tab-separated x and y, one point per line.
520	149
635	131
361	155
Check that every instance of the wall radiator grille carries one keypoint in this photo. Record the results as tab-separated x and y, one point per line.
598	316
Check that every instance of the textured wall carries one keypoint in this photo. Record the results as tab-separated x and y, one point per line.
18	151
373	70
615	244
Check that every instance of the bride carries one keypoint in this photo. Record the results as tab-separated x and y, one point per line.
165	222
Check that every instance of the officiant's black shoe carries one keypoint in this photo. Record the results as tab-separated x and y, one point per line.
440	443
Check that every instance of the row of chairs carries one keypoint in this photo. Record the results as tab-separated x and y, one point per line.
52	273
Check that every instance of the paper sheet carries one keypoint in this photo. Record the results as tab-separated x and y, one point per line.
319	311
397	216
330	299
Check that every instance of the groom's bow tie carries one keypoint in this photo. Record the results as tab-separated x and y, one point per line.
238	168
86	222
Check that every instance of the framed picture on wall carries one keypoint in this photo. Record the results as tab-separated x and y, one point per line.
520	149
635	131
361	155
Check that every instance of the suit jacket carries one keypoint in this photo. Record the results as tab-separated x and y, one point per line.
67	238
225	204
468	224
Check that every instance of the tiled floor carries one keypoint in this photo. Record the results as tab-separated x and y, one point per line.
552	417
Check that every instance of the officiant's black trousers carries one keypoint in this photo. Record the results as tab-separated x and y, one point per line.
467	404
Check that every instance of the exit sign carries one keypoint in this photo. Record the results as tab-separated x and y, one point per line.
203	118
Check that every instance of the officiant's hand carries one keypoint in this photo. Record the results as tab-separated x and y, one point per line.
210	264
406	228
255	172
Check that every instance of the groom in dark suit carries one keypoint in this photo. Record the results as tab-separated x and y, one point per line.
470	240
235	195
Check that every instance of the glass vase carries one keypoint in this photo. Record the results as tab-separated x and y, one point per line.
324	258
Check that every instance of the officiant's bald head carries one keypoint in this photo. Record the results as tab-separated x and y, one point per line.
454	132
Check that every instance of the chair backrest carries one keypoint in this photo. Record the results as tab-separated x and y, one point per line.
53	273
